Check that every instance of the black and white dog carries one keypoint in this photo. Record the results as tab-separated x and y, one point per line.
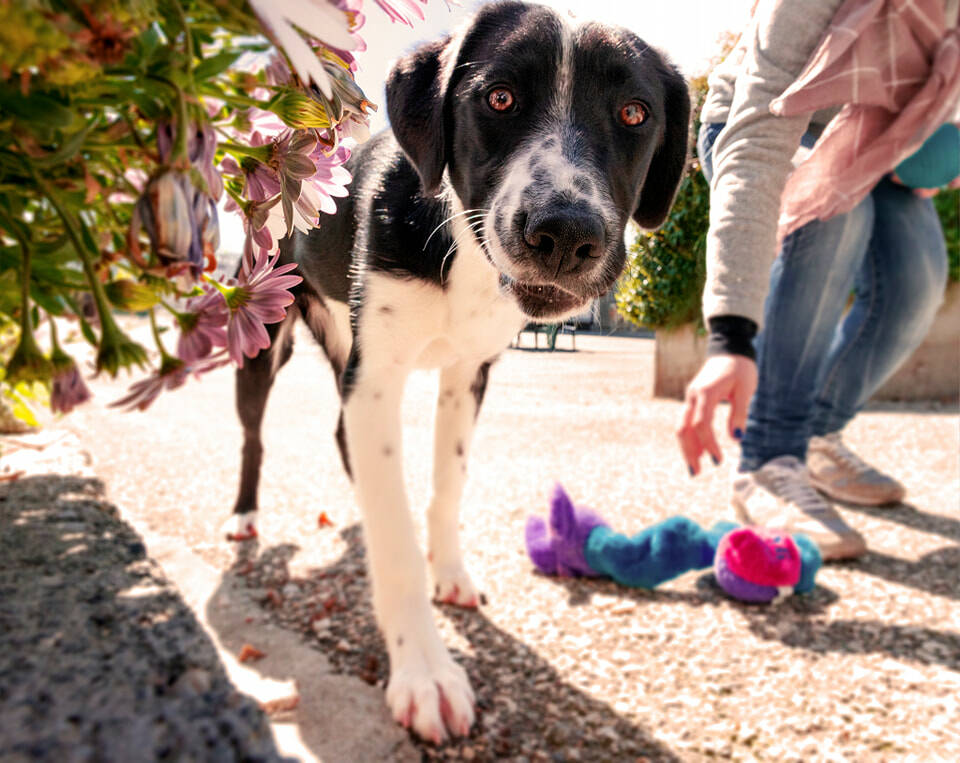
520	148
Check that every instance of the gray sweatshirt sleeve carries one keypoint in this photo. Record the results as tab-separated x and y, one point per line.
752	155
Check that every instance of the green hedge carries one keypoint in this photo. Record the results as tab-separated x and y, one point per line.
662	284
663	281
948	206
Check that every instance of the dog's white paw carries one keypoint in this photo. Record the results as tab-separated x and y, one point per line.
452	584
241	526
430	694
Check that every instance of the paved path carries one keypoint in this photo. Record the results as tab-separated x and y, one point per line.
867	668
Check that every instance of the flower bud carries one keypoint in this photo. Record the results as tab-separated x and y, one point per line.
127	294
28	364
299	111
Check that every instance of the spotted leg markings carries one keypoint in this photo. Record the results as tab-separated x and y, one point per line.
454	428
427	691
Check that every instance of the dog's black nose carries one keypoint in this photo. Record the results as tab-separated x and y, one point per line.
564	237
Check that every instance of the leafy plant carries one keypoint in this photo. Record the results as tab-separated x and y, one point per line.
948	207
121	126
665	271
663	281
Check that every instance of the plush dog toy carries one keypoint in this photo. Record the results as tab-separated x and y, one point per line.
751	564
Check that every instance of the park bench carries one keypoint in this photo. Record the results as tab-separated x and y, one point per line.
550	331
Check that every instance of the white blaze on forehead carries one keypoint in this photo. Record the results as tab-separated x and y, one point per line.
563	102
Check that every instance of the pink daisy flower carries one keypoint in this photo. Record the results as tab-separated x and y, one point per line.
260	296
172	373
202	327
69	388
318	191
331	177
401	10
319	19
262	221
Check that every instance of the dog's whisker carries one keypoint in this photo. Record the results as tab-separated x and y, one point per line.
471	228
451	218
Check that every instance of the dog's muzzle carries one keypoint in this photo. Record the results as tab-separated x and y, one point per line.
554	248
563	240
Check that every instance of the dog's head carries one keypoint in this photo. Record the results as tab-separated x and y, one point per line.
553	135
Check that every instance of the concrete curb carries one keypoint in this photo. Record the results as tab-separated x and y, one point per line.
100	658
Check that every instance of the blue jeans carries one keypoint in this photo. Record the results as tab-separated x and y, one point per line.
818	362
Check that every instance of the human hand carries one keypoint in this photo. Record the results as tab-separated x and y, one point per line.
722	377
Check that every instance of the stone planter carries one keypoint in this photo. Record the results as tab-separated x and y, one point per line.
678	355
931	373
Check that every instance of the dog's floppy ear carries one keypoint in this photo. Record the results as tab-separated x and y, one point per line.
415	107
670	159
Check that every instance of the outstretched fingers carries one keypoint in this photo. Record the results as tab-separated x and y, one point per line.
722	377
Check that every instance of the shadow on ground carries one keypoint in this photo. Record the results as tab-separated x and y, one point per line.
935	572
516	688
801	622
100	658
910	516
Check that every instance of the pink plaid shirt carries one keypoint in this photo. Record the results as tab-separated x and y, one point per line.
894	66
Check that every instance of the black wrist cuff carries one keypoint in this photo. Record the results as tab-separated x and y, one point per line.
731	335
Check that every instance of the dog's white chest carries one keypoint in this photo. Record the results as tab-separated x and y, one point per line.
480	320
467	319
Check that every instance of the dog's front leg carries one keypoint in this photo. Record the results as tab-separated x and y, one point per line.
427	689
458	404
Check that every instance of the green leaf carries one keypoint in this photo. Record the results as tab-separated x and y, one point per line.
87	236
36	108
211	67
151	40
46	299
88	333
71	146
151	107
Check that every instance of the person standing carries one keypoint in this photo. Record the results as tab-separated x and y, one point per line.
802	128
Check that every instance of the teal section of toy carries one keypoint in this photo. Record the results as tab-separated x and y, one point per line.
936	163
811	559
655	555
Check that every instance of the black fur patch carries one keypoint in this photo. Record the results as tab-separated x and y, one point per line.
401	222
348	378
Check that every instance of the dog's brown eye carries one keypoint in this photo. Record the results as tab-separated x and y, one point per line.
500	99
633	114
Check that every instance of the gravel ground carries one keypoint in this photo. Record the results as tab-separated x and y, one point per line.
867	668
100	659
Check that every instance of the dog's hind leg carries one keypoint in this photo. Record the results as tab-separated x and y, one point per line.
461	392
329	321
253	383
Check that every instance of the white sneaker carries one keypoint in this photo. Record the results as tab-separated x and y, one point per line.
779	494
843	475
